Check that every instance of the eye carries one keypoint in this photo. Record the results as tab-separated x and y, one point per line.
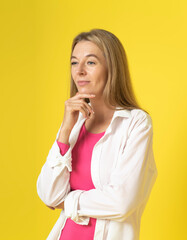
91	62
73	63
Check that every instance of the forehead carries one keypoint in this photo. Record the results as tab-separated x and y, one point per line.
86	47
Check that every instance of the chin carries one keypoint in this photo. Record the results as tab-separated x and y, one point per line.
84	91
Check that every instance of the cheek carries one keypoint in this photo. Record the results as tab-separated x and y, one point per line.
73	76
72	73
100	73
103	76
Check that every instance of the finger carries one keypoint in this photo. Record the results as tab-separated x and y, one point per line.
82	109
83	95
81	101
87	107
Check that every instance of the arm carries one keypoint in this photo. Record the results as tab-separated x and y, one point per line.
63	149
129	185
53	181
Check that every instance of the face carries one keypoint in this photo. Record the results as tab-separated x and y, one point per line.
88	68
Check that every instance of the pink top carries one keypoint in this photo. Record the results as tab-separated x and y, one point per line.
80	178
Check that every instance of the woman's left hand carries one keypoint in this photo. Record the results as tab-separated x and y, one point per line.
51	207
60	206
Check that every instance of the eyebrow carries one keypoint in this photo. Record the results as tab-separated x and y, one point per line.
89	55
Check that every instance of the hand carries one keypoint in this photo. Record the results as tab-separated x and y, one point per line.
60	206
50	207
73	106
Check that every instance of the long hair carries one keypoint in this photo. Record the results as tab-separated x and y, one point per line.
118	91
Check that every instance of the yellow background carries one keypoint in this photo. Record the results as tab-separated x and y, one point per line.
36	38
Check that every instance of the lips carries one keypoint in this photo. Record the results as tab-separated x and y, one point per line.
82	83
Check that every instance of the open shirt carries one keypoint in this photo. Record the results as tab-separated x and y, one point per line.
123	171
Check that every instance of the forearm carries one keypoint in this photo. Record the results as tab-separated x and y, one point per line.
64	135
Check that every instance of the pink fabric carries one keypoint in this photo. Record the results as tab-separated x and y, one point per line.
80	178
63	147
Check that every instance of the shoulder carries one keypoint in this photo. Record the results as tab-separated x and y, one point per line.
139	119
140	115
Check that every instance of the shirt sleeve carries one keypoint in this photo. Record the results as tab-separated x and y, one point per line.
53	180
130	183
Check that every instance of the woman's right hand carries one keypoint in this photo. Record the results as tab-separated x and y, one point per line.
72	107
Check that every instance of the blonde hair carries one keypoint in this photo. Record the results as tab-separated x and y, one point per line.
118	91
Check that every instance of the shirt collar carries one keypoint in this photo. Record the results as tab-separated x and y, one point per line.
121	112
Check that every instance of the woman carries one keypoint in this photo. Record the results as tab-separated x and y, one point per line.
100	169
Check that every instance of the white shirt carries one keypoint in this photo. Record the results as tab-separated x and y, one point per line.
123	172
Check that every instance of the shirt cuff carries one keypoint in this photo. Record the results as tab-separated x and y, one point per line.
71	207
55	159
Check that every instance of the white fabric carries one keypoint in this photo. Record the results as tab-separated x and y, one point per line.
123	172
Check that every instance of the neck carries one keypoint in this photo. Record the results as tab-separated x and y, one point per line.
102	112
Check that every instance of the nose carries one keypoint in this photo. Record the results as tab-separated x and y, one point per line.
81	69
